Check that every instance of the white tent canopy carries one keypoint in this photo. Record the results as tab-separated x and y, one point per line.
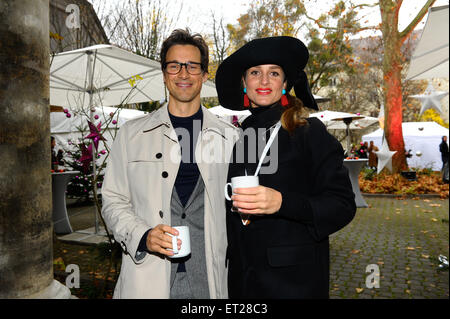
423	137
65	129
430	58
118	76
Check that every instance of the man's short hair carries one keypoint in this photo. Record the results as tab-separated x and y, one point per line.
184	37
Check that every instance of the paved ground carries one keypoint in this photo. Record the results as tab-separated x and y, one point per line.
404	239
400	238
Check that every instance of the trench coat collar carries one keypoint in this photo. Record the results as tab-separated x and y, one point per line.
161	118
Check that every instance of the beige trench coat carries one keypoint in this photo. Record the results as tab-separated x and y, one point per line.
136	195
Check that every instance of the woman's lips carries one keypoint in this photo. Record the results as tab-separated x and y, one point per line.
263	91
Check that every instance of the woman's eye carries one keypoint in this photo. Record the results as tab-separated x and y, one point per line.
275	73
254	72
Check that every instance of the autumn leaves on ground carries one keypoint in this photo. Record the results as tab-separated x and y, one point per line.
427	182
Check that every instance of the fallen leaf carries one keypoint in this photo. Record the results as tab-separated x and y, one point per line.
425	256
416	206
410	248
426	200
408	268
408	291
380	262
359	290
355	251
434	219
387	218
435	205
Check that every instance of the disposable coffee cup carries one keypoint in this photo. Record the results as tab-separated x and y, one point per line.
183	235
241	182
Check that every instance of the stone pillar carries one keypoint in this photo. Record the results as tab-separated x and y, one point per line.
26	256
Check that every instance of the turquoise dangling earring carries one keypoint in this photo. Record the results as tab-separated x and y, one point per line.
246	100
284	100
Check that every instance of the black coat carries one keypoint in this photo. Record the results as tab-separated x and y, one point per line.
443	148
286	255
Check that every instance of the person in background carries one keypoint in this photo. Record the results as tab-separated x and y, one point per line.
373	158
408	155
278	232
57	157
443	148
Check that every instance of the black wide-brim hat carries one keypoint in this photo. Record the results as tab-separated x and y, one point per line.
287	52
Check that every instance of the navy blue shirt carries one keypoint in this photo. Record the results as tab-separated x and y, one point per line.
188	130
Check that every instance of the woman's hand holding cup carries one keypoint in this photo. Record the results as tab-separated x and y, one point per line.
251	198
258	200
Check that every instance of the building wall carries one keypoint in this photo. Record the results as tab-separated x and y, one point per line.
65	35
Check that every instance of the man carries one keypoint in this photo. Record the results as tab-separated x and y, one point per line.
169	169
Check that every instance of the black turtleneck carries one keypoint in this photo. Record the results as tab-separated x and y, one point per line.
263	116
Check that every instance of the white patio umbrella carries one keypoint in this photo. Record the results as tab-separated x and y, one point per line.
105	75
347	121
328	118
320	99
430	58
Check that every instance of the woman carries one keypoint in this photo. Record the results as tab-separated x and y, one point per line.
305	193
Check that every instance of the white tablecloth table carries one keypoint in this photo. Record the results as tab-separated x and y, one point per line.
354	167
61	222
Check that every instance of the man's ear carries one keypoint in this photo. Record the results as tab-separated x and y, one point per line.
205	76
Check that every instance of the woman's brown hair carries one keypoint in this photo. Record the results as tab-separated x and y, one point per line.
294	115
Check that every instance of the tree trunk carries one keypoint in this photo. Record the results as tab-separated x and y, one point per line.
392	66
26	258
